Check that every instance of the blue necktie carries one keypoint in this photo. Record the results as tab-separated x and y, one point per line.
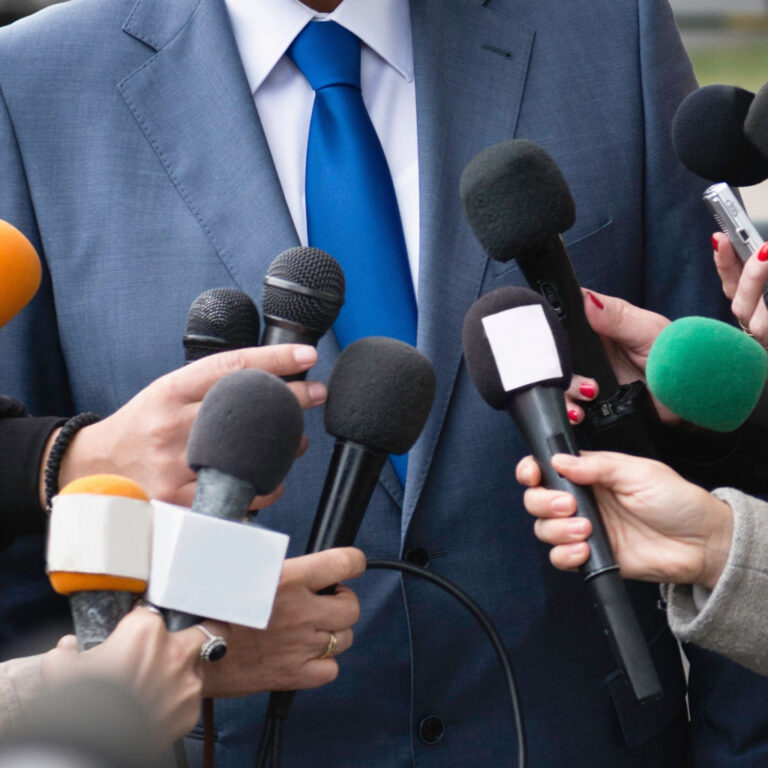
351	206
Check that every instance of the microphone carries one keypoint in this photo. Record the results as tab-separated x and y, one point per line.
709	373
517	356
380	394
220	319
709	139
518	202
20	272
302	295
756	121
242	444
98	551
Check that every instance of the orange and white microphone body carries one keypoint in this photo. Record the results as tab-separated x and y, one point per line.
99	551
20	271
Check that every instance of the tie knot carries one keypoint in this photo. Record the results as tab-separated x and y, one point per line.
327	54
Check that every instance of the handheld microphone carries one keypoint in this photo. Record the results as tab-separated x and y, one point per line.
242	444
380	393
302	295
708	373
220	319
709	138
517	203
517	356
708	135
756	121
98	551
20	270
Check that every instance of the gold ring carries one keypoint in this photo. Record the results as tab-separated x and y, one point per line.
745	329
333	646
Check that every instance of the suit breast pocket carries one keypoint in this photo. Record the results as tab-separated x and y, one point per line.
590	248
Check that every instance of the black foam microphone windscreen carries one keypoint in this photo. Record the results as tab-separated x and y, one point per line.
302	295
249	427
709	139
516	356
220	319
515	197
379	394
756	121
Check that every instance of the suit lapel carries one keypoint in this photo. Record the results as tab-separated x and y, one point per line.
193	103
470	68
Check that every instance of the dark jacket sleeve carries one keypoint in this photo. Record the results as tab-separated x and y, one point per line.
22	441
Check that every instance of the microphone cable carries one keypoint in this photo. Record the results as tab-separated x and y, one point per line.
270	749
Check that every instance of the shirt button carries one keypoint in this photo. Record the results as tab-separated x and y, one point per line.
431	729
418	556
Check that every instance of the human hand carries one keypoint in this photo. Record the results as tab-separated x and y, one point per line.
661	527
161	668
146	439
743	284
286	655
627	333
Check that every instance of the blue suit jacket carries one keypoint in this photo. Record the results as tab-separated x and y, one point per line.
133	157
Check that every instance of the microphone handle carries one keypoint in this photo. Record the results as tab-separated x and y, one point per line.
549	271
349	483
540	415
95	614
279	331
217	494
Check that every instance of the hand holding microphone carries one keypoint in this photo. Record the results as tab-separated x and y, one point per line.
517	356
661	527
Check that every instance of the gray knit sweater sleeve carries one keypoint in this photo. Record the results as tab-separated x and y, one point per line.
732	619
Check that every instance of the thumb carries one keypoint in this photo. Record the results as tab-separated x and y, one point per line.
622	322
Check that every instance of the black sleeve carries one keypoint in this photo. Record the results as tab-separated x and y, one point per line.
22	441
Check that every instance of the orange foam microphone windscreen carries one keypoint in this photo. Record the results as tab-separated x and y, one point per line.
65	583
20	271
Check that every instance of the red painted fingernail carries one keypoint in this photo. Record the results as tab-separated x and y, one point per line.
714	243
762	254
595	300
587	389
573	415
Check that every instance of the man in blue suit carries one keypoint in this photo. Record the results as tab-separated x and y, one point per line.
134	158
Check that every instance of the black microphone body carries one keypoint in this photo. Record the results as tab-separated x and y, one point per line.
539	413
548	270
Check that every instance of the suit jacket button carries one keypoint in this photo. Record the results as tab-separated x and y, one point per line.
431	729
417	555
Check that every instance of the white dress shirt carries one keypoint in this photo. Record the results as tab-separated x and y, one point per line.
264	29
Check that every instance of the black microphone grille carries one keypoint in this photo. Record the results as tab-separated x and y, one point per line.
249	426
709	140
304	286
221	318
380	393
515	197
539	359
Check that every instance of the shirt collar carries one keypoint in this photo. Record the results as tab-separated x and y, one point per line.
264	29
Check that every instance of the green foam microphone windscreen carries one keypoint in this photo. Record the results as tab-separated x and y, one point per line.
707	372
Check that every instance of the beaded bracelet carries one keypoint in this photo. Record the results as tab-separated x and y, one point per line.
60	445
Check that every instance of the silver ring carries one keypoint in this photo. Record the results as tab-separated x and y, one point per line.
150	607
214	647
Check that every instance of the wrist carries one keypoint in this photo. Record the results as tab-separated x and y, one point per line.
717	545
